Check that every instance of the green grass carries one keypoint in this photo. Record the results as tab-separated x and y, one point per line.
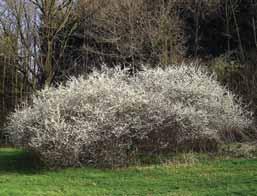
18	176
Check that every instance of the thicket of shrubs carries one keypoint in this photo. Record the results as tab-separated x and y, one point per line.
111	116
155	31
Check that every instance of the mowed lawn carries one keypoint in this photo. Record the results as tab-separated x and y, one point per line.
18	176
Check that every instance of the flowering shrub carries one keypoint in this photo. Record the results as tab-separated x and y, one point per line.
109	117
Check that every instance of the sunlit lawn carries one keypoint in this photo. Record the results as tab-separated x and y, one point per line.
18	176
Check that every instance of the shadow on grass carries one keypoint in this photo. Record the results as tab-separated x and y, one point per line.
18	161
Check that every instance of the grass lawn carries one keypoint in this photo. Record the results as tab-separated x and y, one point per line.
18	176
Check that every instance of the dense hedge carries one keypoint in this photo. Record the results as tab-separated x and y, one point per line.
110	117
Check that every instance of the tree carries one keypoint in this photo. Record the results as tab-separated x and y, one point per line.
37	24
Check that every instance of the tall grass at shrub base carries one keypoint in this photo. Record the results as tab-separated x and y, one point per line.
109	117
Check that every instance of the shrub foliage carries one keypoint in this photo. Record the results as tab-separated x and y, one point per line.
110	117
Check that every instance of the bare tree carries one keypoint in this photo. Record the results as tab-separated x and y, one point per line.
37	24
